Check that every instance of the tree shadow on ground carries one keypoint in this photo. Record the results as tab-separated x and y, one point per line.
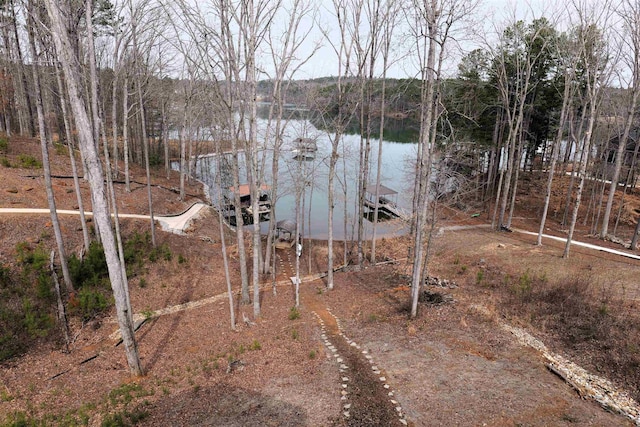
223	405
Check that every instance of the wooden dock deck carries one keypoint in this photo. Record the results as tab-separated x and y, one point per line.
384	202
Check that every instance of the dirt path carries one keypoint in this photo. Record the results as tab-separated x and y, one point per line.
366	397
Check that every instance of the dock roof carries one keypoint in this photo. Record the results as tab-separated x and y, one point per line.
287	225
382	190
245	190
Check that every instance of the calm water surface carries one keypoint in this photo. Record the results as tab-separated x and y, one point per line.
310	177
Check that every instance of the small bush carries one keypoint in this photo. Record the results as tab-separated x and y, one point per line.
135	248
5	396
34	259
138	249
155	160
11	344
585	320
294	313
5	162
312	354
4	145
36	322
294	334
5	276
92	270
160	252
29	162
181	259
88	303
61	150
26	301
44	287
20	419
125	418
255	345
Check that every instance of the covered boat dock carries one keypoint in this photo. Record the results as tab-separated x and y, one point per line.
387	202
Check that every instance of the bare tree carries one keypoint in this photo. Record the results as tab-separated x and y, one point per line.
141	108
70	65
22	96
343	51
515	61
568	63
433	20
33	18
630	15
284	46
594	58
72	159
223	242
125	131
389	22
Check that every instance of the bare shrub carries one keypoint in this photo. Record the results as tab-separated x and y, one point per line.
599	330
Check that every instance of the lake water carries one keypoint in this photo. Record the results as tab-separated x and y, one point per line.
311	178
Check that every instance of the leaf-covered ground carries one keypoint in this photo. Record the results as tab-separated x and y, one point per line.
451	366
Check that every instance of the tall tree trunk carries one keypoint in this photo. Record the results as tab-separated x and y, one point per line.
514	191
95	176
93	73
183	148
114	122
116	219
555	153
165	140
223	239
45	154
145	147
72	159
424	161
125	132
583	166
62	313
620	155
22	80
143	122
379	163
251	152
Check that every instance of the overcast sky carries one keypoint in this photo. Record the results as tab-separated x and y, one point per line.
490	14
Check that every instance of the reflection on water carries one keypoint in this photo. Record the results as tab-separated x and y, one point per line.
310	176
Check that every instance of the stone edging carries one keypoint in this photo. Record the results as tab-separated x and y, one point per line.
343	368
587	385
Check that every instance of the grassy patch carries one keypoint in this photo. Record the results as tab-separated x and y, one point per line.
294	313
61	149
125	418
126	393
27	161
